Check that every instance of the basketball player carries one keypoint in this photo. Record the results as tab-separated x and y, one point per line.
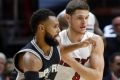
92	26
39	59
85	63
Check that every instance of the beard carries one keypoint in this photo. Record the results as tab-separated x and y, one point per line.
51	40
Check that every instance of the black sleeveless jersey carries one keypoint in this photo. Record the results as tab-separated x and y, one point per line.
50	63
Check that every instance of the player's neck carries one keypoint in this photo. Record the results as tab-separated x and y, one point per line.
44	46
74	36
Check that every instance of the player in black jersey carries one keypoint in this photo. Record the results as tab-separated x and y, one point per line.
39	59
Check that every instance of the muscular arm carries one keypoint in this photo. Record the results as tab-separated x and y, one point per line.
30	62
95	72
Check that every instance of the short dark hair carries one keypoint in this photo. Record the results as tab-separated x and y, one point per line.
112	57
76	4
38	17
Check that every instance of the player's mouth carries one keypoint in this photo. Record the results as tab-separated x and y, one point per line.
83	27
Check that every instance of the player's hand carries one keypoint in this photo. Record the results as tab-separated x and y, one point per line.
87	42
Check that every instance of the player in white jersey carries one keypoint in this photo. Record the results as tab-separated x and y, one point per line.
92	26
90	62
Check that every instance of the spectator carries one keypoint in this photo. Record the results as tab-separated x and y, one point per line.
114	63
109	32
3	76
10	69
113	44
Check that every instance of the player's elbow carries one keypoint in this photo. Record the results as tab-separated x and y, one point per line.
96	76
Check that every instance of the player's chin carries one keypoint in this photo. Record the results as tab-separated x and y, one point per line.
56	42
57	39
82	31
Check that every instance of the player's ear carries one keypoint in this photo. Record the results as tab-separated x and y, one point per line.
41	27
67	17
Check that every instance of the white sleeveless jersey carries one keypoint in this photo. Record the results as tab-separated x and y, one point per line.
91	20
82	55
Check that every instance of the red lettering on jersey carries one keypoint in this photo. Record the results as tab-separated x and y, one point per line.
76	75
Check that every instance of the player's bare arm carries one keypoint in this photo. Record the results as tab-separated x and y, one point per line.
29	62
95	71
68	48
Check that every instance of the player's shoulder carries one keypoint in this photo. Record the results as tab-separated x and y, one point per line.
97	37
93	35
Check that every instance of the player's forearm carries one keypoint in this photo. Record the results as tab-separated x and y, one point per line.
68	48
87	73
